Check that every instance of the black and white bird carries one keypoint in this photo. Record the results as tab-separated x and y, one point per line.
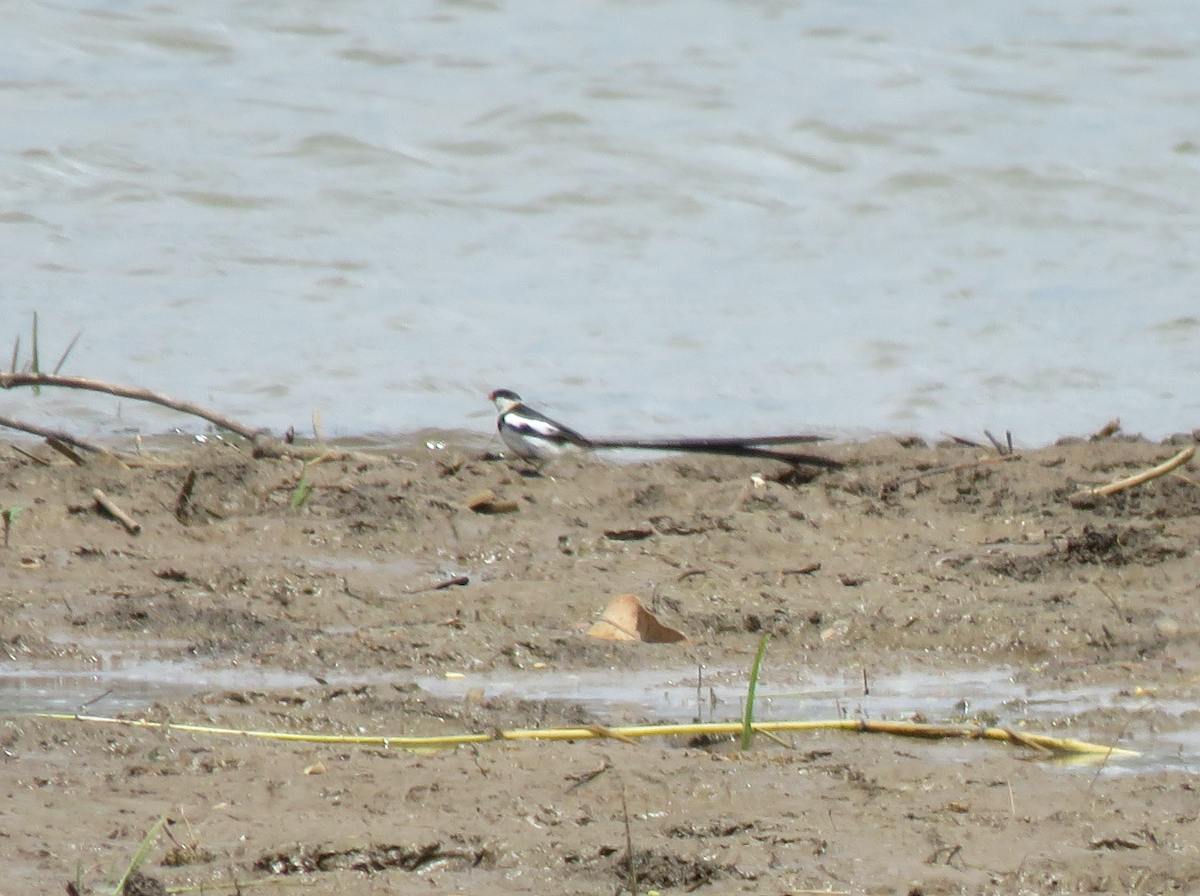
533	436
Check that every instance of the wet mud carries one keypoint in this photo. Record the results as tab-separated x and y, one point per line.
313	599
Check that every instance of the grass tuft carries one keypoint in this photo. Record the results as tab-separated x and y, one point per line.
35	363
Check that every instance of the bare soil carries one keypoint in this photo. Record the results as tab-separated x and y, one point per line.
913	557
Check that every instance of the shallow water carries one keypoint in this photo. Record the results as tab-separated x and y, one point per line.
650	219
987	696
117	682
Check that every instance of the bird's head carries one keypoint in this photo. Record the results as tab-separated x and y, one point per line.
505	400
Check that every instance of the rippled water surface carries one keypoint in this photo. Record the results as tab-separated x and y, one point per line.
649	217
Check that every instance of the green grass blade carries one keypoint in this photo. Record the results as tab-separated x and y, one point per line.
142	853
36	363
303	490
748	715
9	516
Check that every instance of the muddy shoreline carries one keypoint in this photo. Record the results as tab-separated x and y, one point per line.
938	559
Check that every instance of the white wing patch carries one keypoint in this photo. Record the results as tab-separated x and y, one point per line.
530	426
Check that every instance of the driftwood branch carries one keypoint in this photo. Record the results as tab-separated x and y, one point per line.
13	380
265	444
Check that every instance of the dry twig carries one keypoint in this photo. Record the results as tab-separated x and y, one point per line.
602	731
183	499
1145	476
629	863
1188	479
110	507
1002	448
41	462
66	451
46	433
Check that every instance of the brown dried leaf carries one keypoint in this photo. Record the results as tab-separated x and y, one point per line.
625	619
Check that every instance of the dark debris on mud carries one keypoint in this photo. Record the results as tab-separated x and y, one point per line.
1107	546
413	857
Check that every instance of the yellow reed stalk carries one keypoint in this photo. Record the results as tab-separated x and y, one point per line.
1057	746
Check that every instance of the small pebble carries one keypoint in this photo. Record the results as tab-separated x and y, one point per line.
1166	628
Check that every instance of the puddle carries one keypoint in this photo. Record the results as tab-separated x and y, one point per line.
963	697
686	696
127	687
114	681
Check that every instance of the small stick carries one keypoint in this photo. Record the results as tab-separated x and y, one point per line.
33	457
94	701
70	348
35	430
1188	479
633	880
998	445
806	570
961	440
442	586
775	737
587	777
602	731
183	499
130	524
1112	600
1153	473
1018	738
66	451
1099	769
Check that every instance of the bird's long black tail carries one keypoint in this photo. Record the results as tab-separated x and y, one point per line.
731	446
